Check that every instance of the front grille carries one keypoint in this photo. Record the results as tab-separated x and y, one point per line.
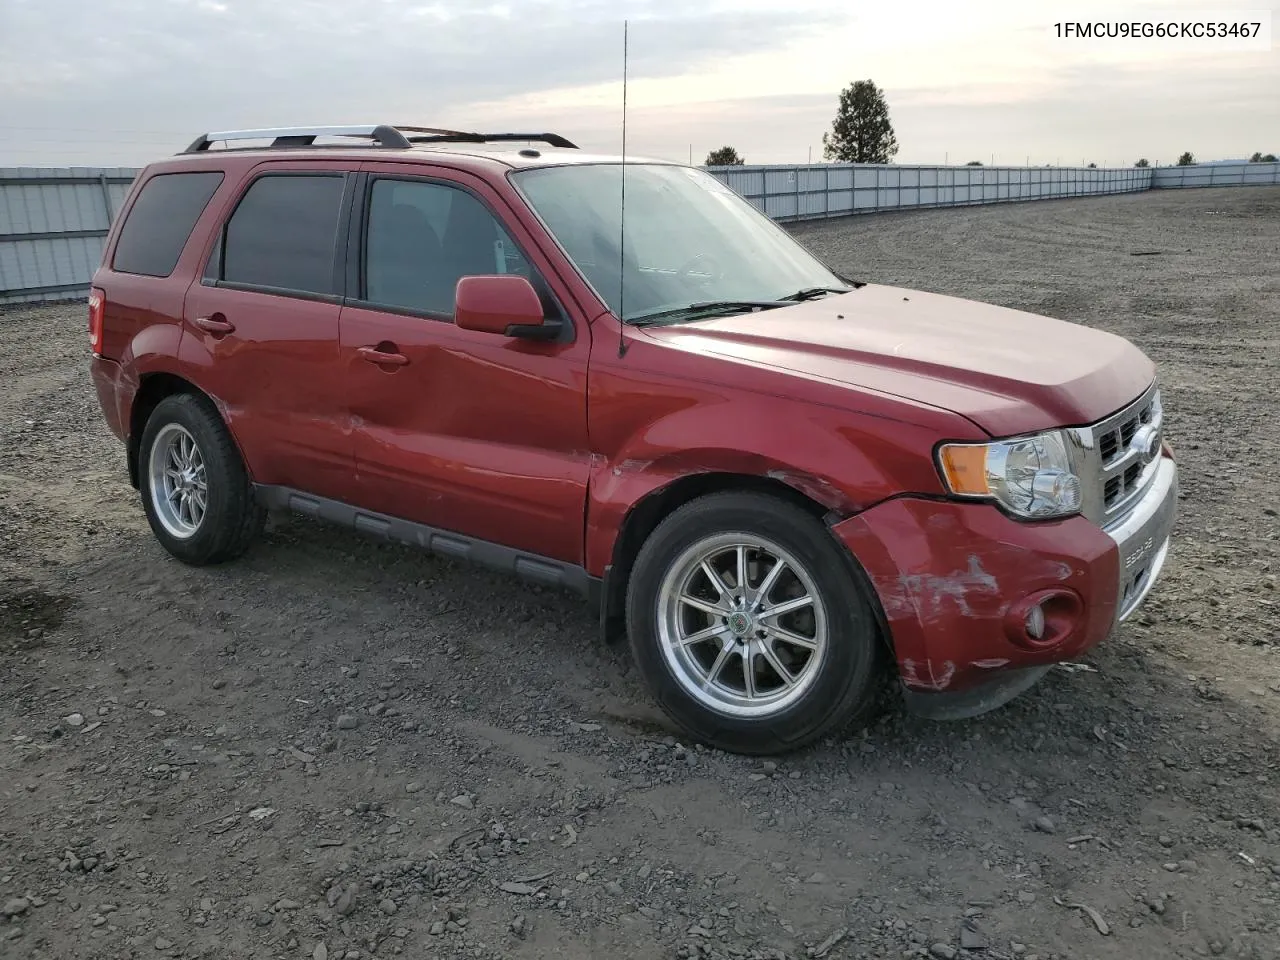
1112	457
1117	436
1132	589
1122	484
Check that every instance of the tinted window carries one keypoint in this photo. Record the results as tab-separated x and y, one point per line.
161	220
423	237
282	233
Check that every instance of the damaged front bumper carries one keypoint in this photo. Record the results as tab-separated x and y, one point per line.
954	579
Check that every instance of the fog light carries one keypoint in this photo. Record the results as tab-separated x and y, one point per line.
1045	619
1035	622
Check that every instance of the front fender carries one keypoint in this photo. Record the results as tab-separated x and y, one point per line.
843	461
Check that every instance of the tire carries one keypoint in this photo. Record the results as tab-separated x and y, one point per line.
829	685
231	518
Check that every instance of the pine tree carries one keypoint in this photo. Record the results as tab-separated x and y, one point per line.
724	157
861	132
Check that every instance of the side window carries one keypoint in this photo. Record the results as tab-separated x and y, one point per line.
422	237
283	233
161	220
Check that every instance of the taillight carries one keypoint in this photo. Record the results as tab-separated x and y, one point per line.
97	307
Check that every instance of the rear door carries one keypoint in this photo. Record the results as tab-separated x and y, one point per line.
471	432
261	325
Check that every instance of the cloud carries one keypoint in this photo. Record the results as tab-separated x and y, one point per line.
122	81
155	66
1111	113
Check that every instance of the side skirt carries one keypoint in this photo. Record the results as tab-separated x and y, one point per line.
446	543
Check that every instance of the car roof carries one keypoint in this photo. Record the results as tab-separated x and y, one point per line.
357	143
469	159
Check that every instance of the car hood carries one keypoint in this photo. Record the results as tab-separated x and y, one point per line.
1006	370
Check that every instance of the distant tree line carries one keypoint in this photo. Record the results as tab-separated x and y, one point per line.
862	133
725	157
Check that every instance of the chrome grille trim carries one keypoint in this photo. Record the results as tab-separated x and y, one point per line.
1113	473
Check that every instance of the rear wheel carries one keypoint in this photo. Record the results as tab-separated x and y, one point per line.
195	490
748	625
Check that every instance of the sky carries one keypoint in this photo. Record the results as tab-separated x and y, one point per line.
123	82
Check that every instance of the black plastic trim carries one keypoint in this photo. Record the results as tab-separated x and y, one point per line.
989	695
527	566
550	330
342	234
273	291
553	139
353	266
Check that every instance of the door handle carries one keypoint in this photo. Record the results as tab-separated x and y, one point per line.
216	324
382	357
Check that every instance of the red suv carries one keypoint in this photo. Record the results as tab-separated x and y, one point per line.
778	481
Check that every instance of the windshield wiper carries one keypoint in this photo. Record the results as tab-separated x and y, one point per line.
813	293
707	308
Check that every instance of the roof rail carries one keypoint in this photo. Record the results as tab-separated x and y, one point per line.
382	134
458	136
395	137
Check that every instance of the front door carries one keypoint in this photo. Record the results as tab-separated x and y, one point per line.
480	434
261	326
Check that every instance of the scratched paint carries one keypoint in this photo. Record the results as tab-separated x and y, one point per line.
816	488
931	593
926	675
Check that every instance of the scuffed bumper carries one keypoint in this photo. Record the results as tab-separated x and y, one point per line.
951	577
1142	538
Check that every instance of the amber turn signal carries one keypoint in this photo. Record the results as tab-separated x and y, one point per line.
964	466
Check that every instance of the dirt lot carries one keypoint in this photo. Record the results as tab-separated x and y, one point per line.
336	748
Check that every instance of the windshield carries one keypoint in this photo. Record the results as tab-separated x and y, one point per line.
689	238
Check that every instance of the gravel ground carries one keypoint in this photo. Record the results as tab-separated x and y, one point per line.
335	748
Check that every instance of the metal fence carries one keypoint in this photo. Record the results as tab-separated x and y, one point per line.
836	190
52	224
53	220
1216	175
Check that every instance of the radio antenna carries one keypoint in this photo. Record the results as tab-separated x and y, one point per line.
622	215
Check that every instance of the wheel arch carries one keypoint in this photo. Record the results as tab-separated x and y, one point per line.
152	389
644	516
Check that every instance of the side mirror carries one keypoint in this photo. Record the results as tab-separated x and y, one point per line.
503	304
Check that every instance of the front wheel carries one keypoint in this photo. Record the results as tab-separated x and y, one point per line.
749	627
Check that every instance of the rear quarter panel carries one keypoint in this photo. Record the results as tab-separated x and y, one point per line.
142	323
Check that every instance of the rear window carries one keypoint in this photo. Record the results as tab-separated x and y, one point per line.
161	220
283	234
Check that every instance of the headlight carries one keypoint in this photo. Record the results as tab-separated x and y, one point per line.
1030	477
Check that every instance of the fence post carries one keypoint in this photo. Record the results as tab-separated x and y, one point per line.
106	198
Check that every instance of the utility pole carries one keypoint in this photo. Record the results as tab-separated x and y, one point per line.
691	154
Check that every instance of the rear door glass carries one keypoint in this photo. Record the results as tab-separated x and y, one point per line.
283	234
